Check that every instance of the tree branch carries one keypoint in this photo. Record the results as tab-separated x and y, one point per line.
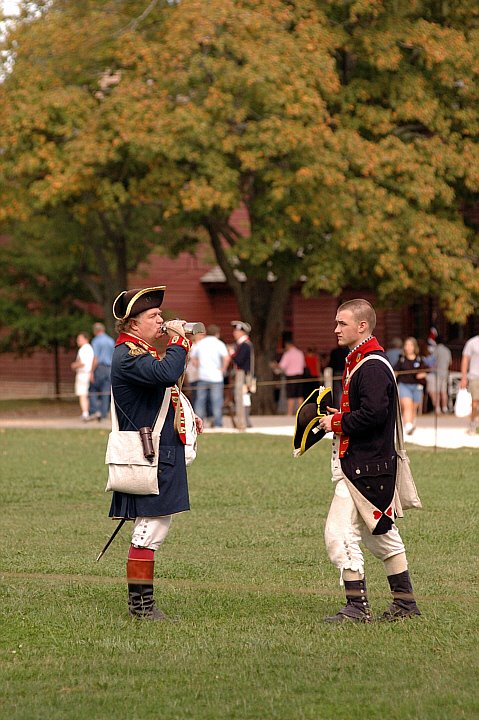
221	257
136	21
230	234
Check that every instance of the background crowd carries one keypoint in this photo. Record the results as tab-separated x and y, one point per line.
220	377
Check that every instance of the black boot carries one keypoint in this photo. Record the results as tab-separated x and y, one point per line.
357	607
141	603
403	604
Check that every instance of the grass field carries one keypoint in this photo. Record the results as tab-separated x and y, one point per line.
246	576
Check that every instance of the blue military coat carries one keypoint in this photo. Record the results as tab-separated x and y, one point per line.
138	382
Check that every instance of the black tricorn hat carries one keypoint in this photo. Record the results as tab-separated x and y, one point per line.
307	431
133	302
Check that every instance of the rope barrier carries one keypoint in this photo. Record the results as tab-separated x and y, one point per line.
274	382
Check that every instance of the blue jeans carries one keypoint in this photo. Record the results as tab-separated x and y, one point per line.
414	392
214	391
99	393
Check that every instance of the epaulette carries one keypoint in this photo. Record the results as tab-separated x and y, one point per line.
181	341
135	349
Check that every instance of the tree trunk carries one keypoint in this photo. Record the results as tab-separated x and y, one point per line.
261	303
263	402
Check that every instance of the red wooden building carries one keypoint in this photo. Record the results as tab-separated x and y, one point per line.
196	290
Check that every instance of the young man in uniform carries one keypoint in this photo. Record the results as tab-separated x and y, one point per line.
364	468
139	379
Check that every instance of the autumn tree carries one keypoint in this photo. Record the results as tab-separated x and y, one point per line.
408	112
62	160
347	131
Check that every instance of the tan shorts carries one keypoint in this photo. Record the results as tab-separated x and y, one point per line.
436	383
474	388
82	384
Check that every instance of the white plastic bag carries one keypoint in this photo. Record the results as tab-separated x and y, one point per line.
463	404
246	400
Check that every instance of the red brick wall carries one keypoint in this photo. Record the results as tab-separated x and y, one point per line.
34	375
313	322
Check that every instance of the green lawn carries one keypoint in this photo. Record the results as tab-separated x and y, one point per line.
246	576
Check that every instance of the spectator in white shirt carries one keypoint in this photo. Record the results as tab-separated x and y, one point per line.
210	355
82	366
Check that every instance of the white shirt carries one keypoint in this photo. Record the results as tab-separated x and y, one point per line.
85	355
471	350
210	353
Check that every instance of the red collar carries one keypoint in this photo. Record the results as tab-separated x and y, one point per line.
125	337
357	354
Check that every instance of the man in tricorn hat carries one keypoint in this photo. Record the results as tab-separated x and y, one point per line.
139	380
364	470
242	355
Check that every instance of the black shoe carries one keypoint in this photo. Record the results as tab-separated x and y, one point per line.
396	612
342	616
153	613
357	607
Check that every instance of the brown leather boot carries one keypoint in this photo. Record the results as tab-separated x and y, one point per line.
404	603
357	607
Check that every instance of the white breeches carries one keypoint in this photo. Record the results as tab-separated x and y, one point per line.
150	532
345	530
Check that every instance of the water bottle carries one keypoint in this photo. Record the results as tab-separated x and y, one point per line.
193	328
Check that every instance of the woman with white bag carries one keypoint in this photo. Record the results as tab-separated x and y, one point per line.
144	391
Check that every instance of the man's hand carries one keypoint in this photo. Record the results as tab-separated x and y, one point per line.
175	327
199	424
325	422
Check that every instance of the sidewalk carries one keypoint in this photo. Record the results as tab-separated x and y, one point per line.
449	432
